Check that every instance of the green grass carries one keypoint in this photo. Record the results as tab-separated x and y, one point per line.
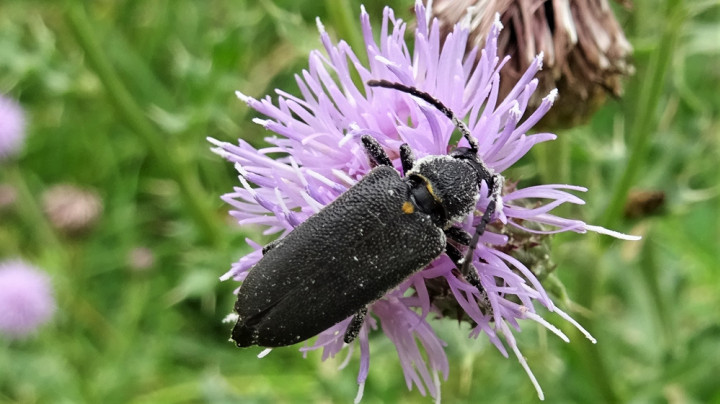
120	97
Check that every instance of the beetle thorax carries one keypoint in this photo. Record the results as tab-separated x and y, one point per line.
454	183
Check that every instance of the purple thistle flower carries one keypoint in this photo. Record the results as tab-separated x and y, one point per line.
26	300
322	157
12	128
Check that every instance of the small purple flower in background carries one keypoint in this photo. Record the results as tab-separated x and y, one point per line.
12	128
321	157
26	299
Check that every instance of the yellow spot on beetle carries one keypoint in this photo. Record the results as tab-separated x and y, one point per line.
408	207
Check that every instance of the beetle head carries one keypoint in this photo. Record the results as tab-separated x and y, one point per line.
451	182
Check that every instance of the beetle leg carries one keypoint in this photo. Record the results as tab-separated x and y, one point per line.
458	235
496	182
471	276
270	246
407	158
355	325
377	155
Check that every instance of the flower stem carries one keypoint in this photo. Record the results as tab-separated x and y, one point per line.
31	214
651	275
159	146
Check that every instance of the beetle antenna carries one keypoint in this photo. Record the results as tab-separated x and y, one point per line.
464	130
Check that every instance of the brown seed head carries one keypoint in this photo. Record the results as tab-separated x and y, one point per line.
70	209
585	50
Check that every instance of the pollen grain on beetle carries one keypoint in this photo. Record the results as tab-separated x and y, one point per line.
319	133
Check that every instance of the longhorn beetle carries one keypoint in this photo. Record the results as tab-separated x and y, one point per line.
375	235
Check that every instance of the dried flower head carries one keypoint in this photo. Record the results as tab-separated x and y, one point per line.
643	202
586	52
12	128
320	156
71	210
141	259
26	299
8	197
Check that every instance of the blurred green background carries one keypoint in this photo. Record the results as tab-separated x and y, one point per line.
120	97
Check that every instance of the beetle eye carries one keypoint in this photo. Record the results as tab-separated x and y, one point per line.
424	199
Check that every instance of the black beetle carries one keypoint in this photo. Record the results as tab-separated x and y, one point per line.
366	242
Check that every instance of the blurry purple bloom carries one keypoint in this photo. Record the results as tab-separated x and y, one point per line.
26	299
12	128
322	157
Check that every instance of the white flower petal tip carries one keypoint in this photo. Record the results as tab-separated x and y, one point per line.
612	233
575	324
359	396
498	25
262	122
242	97
532	316
436	381
552	96
214	141
220	152
320	26
525	366
386	61
428	10
539	60
515	112
264	353
230	318
239	168
466	20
